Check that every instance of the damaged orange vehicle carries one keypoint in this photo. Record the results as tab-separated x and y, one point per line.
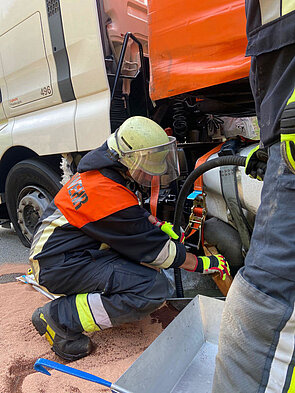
199	86
198	47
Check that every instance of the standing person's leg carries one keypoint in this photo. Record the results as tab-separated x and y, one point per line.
129	292
256	344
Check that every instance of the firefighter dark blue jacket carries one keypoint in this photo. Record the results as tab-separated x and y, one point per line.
95	211
271	44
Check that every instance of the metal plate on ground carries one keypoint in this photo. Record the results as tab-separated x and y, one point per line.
199	375
182	358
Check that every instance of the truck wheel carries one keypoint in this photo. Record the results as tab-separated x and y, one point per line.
30	186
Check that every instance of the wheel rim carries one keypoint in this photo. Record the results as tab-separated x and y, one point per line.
31	203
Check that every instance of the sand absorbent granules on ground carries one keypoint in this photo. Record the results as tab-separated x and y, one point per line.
115	349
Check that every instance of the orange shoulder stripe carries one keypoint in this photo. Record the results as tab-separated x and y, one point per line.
90	196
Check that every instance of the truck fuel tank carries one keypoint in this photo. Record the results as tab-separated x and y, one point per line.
249	191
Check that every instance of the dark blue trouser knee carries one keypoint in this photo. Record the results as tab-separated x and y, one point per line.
123	292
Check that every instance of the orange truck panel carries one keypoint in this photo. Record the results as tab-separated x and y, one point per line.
195	44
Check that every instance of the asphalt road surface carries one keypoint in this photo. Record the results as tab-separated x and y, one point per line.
11	248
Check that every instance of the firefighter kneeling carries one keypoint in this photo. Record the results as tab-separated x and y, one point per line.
93	237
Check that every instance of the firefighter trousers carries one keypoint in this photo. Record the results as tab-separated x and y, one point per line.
256	344
110	291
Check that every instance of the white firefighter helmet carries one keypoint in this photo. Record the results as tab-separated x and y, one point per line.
146	150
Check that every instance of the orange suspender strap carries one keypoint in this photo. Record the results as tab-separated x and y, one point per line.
155	189
198	186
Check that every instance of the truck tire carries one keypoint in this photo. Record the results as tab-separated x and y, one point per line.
30	186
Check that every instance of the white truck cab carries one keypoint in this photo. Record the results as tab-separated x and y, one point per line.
58	60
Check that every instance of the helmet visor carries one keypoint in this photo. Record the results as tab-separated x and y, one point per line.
144	164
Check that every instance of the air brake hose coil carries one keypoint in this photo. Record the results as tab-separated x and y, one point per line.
214	163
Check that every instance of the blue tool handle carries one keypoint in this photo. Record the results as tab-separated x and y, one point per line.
42	363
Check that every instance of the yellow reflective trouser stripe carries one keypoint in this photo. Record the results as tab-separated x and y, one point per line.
288	6
292	98
292	384
85	314
50	334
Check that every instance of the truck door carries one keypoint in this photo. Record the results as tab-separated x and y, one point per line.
38	93
3	118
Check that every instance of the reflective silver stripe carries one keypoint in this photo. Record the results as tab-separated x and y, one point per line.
282	357
288	6
98	311
270	10
47	221
166	256
46	229
273	9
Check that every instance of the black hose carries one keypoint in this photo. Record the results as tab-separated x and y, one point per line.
214	163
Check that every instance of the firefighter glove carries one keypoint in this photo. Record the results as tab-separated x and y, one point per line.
256	163
167	227
212	264
288	150
287	128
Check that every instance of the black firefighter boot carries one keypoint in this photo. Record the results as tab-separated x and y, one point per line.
67	345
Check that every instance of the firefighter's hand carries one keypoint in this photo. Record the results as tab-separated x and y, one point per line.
256	163
215	263
288	150
166	227
207	265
